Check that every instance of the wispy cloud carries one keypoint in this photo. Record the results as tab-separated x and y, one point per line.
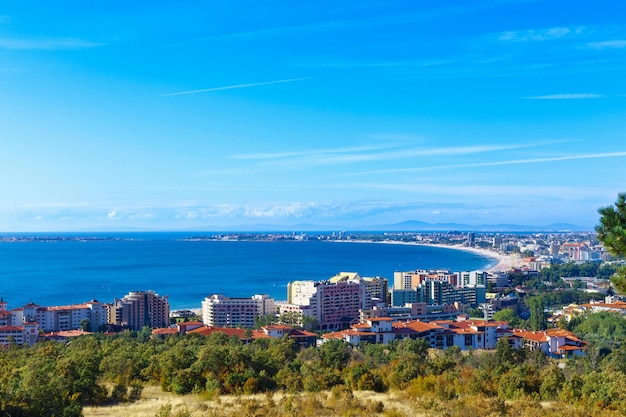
281	155
496	163
46	44
612	44
318	157
233	87
575	96
540	35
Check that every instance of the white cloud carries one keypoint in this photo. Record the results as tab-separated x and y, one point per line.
612	44
495	163
46	44
539	35
112	214
574	96
280	155
320	157
232	87
142	216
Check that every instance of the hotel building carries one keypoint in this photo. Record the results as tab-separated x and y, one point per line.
140	308
335	302
221	311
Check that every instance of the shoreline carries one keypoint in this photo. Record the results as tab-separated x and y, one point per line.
502	262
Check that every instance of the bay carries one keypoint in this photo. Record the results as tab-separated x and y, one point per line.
75	270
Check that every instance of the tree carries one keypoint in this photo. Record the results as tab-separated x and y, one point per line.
537	305
509	316
612	233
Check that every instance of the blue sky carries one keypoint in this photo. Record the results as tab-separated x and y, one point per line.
206	114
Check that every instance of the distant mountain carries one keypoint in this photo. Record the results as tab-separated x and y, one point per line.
440	227
406	226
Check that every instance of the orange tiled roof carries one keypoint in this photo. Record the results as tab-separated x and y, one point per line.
333	335
229	331
533	336
301	333
165	331
418	326
11	328
277	327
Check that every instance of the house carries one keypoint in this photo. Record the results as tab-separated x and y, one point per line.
441	334
557	343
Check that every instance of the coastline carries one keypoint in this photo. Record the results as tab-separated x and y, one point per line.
501	262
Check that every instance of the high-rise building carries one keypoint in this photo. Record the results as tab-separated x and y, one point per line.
221	311
411	279
140	308
376	287
439	292
471	239
336	301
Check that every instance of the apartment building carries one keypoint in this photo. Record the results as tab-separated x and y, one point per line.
557	343
377	288
87	316
140	308
470	334
411	279
15	331
221	311
336	302
439	292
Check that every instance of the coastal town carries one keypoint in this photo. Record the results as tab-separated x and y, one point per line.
446	308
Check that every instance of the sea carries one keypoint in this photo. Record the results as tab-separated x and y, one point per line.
72	269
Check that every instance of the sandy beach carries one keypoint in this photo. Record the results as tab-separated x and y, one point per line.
503	262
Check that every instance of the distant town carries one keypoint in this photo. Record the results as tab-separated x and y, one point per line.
447	308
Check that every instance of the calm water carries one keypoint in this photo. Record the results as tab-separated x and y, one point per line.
71	272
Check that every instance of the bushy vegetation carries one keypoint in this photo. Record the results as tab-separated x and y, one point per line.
56	379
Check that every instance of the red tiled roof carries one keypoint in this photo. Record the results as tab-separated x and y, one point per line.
356	333
229	331
11	328
534	336
418	326
333	335
165	331
277	327
571	348
67	333
301	333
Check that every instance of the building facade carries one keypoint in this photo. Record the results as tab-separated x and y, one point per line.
336	302
221	311
140	308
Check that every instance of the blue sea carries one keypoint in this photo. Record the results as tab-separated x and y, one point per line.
72	271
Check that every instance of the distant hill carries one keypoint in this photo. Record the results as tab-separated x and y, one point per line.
406	226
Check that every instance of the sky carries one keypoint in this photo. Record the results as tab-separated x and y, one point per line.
207	115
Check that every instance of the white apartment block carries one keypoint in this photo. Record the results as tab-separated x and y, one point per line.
14	332
335	302
72	317
472	279
221	311
139	309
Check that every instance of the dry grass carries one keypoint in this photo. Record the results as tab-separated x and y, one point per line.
154	401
